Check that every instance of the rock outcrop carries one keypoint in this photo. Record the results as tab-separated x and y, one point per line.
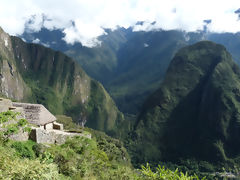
11	83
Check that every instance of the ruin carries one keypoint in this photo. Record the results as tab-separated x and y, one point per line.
45	129
38	115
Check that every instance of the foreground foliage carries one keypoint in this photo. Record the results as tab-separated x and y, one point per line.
101	157
163	173
78	158
13	166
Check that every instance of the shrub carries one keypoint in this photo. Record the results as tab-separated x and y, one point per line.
24	149
39	149
12	167
22	122
15	125
11	129
163	173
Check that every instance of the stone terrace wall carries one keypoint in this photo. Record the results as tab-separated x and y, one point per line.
53	136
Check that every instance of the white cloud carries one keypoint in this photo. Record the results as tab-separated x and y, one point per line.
146	45
86	33
92	16
36	41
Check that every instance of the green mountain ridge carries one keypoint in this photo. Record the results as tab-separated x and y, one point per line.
195	112
132	64
40	75
127	63
142	64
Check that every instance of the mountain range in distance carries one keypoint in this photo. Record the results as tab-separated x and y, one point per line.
131	65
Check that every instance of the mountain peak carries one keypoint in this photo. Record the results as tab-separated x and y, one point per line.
195	112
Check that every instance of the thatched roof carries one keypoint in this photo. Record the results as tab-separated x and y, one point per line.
36	113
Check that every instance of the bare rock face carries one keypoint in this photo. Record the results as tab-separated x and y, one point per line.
11	82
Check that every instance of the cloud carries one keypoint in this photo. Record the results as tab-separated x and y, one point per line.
86	33
37	41
83	21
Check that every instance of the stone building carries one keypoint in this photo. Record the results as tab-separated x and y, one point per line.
38	115
45	129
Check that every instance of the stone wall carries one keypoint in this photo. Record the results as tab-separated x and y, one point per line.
21	136
52	136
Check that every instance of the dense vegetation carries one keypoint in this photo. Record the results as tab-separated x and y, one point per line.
36	74
56	81
130	64
191	121
79	158
127	63
195	112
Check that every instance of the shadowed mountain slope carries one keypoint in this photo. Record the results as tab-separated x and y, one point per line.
196	111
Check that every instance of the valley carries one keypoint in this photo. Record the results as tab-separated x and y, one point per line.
180	102
131	65
119	90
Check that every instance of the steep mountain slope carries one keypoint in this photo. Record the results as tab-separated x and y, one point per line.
127	63
11	82
142	63
99	62
131	65
55	80
230	40
196	111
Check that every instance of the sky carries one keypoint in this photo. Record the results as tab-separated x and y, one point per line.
84	20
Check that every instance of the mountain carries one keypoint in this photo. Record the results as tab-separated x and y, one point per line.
142	64
10	78
230	40
126	62
31	72
131	65
98	61
196	111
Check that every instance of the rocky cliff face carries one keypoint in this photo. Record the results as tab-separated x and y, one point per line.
31	72
196	111
12	84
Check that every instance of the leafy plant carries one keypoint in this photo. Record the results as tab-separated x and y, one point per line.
163	173
24	149
7	116
11	129
11	124
22	122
